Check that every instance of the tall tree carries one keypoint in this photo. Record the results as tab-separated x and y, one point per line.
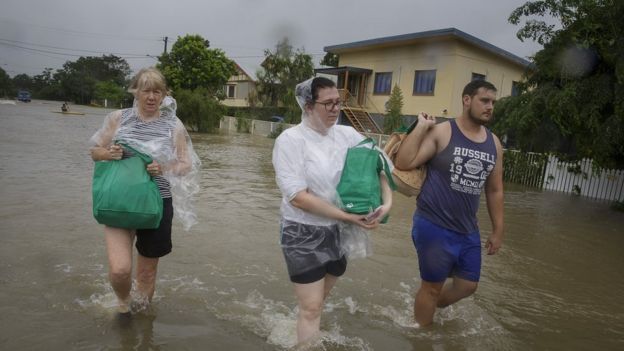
281	70
78	79
23	81
191	64
393	119
6	84
46	86
572	101
330	59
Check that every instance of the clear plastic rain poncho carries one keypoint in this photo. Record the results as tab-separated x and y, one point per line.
168	143
310	156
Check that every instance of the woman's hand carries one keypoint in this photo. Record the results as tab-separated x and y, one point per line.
154	169
361	221
378	215
115	152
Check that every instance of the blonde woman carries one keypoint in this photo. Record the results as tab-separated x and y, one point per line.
151	127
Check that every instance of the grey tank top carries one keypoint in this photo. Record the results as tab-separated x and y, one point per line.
455	178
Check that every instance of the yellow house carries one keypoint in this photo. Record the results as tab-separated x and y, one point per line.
431	68
241	87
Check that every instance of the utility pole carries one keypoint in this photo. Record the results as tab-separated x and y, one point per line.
165	39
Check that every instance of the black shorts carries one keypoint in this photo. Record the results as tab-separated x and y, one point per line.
335	268
311	251
154	243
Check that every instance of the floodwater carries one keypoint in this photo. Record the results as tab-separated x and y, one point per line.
557	284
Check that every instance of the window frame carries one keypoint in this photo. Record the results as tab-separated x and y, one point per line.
477	76
375	92
227	91
424	71
515	91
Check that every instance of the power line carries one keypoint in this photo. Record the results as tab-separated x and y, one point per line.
40	51
62	48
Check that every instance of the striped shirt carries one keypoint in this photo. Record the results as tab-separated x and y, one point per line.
158	132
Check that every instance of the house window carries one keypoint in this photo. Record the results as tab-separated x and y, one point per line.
424	82
229	91
477	76
515	90
383	83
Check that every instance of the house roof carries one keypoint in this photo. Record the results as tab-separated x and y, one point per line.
405	39
337	70
248	69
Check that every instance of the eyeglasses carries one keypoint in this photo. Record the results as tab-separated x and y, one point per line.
330	105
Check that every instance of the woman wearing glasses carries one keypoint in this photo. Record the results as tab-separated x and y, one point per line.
308	161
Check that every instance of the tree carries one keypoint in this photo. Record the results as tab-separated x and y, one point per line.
47	86
6	84
572	101
281	71
191	65
197	75
393	119
199	111
78	79
330	59
23	81
111	92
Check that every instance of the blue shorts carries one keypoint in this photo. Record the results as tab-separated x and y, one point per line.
444	253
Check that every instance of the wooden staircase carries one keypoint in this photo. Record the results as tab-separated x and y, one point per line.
357	115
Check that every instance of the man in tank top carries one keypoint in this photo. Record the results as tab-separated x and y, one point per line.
462	157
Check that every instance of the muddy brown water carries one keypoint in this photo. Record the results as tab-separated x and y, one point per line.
557	284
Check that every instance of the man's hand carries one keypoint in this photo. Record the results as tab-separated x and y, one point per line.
426	120
493	244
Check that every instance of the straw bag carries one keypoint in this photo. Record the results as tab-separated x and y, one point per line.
409	182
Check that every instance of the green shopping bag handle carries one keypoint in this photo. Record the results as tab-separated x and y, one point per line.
146	158
385	163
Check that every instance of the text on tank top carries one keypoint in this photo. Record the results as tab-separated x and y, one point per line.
455	179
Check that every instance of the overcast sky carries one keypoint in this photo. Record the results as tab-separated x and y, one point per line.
35	34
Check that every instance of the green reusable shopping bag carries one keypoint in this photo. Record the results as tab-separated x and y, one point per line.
124	194
359	188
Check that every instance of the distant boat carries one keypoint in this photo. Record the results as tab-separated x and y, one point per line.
69	113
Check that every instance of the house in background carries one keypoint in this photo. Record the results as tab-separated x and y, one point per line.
239	87
431	68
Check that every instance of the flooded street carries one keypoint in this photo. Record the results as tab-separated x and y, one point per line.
558	282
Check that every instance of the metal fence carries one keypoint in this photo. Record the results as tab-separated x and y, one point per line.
524	168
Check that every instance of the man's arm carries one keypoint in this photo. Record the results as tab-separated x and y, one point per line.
418	147
495	201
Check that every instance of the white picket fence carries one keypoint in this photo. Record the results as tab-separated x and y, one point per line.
579	178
